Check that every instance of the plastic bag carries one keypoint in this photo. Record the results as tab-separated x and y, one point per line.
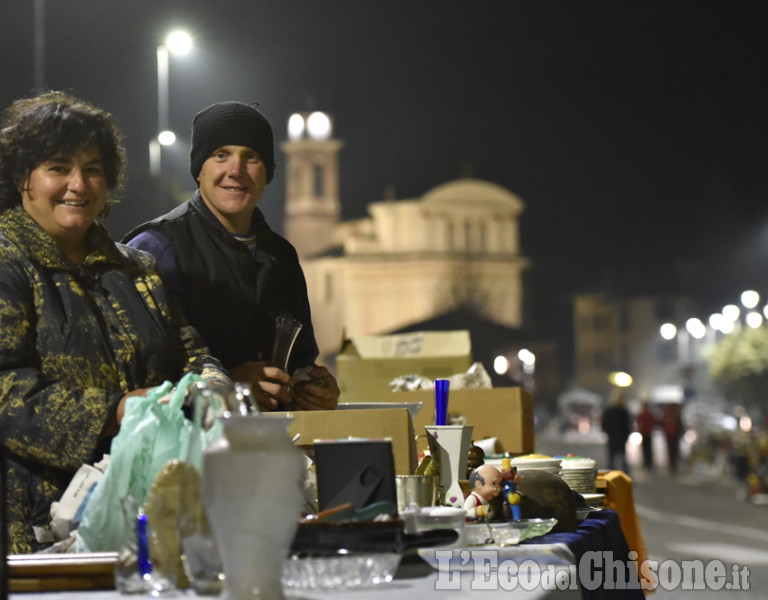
151	434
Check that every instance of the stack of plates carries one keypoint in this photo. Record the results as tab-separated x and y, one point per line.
579	473
531	461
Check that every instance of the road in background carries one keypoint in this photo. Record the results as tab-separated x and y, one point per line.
695	515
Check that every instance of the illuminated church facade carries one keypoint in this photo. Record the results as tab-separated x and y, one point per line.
458	245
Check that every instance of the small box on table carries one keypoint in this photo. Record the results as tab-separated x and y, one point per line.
366	365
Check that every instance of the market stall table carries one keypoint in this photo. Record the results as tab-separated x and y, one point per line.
550	561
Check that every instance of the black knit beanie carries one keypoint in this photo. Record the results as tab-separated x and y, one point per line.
230	124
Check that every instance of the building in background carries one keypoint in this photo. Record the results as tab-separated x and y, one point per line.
614	333
412	259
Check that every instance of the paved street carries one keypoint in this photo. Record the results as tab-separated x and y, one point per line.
690	517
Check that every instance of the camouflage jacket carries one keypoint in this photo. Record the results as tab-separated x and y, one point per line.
73	340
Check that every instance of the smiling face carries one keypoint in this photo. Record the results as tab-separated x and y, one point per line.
65	195
231	182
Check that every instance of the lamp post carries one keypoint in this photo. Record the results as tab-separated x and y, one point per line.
177	42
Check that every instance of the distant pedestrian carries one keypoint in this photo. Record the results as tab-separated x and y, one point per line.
672	426
646	423
616	423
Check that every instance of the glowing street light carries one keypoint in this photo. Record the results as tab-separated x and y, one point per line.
296	127
620	379
528	359
717	321
316	126
319	126
754	319
727	326
501	364
731	312
696	328
166	138
179	43
668	331
750	298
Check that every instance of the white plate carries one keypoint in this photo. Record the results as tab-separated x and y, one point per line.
535	463
594	499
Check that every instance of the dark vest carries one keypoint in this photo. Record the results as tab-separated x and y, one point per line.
232	295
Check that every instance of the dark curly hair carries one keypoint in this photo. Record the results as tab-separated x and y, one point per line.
34	130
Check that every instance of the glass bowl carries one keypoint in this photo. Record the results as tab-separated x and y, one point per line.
529	528
583	513
439	517
339	571
498	534
478	534
506	534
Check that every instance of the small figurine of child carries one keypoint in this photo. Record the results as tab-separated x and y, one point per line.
511	496
485	482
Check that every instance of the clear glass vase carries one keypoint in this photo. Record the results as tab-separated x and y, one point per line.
199	552
135	570
286	331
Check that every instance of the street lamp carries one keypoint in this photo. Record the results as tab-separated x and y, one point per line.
753	319
620	379
179	43
668	331
696	328
750	298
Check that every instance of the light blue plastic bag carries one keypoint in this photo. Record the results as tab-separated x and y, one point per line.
151	434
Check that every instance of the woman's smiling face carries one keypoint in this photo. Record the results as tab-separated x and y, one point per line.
66	194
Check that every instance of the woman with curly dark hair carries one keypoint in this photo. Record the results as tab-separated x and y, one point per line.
85	323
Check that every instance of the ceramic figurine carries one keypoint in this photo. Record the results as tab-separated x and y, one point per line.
512	497
485	485
475	458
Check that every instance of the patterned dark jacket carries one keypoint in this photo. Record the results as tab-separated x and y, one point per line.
73	340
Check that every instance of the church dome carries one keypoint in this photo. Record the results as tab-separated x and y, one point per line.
474	193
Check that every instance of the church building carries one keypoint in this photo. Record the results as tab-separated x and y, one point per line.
457	246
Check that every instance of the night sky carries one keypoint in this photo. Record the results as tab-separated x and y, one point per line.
635	132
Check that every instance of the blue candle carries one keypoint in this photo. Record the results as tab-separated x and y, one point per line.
441	401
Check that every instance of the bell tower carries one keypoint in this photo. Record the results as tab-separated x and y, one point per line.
312	207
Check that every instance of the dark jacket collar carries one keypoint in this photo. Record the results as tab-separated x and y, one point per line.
258	223
26	233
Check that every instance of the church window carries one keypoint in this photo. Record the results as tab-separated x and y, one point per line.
319	181
328	287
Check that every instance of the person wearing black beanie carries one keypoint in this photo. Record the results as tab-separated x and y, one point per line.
231	124
232	274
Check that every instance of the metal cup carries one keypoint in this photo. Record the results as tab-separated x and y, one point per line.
418	489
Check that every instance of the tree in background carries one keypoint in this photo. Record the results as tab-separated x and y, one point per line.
739	365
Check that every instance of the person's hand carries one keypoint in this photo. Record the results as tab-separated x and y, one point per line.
114	424
321	392
271	386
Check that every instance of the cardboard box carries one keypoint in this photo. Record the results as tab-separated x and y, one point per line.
503	413
389	423
366	365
